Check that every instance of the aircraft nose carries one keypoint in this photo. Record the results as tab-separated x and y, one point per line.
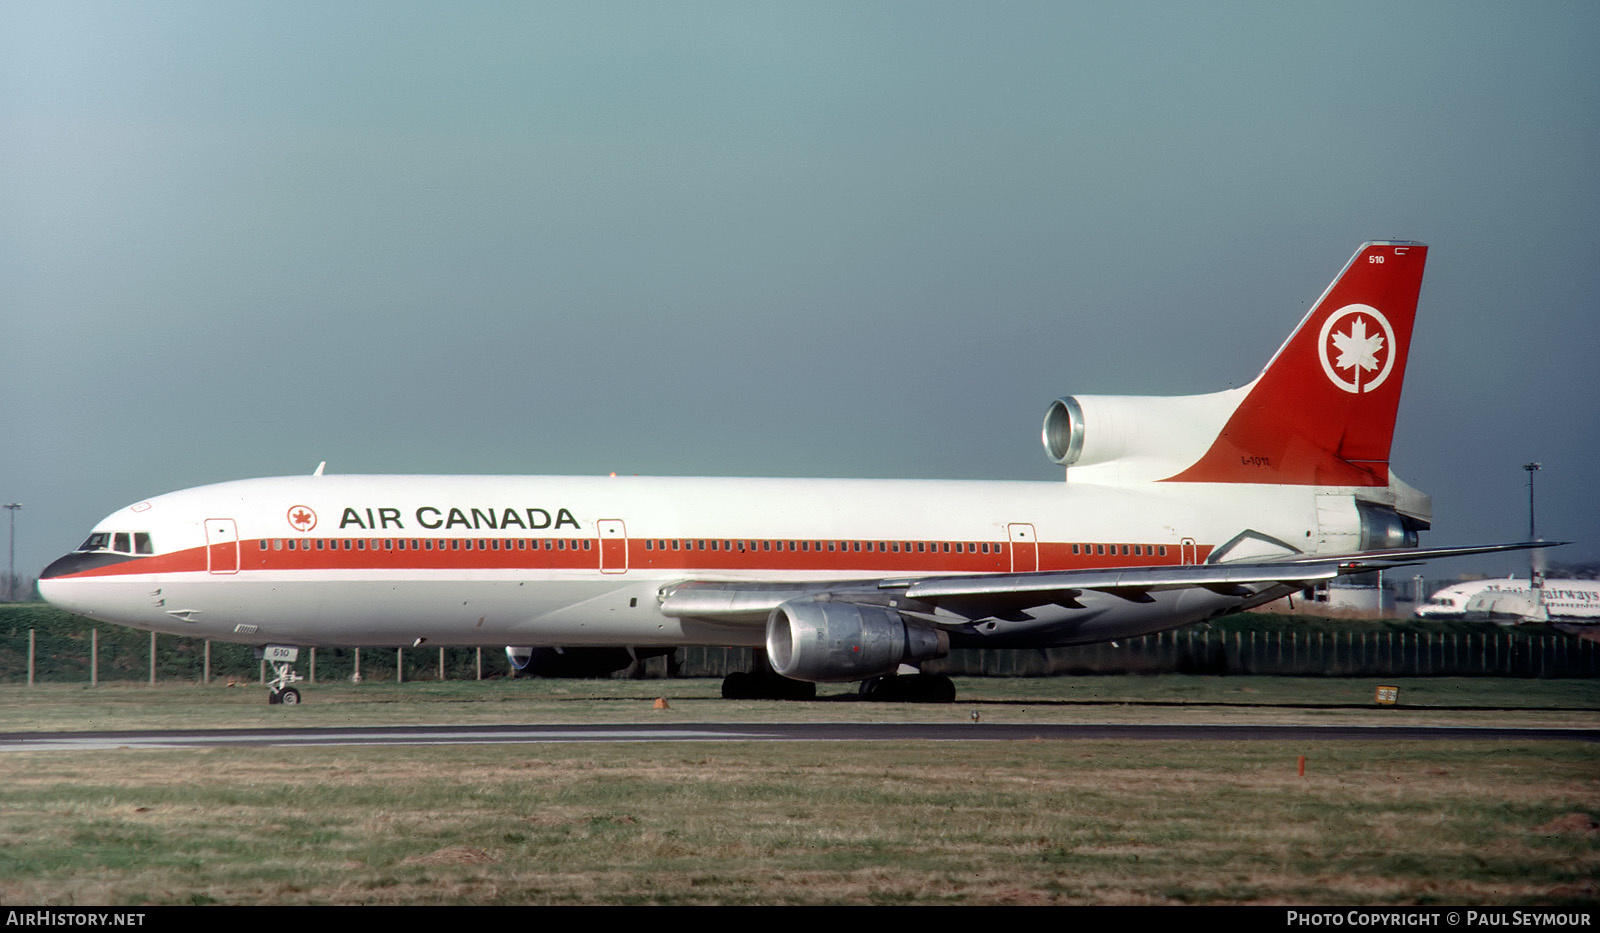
77	563
59	567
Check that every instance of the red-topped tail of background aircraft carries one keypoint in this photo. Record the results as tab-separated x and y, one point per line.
1173	510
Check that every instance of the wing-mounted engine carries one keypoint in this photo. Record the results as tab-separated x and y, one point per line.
835	642
1114	439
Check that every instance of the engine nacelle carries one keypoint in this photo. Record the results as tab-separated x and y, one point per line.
1383	527
1346	524
1148	437
838	642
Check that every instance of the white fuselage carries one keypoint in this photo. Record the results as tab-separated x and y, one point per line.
581	561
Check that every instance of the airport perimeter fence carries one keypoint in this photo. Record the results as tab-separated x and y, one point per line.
1510	653
68	649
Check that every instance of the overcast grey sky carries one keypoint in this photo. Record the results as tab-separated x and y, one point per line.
829	239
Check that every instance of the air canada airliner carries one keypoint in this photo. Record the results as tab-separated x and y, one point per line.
1173	510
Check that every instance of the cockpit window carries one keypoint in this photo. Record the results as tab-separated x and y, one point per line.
119	542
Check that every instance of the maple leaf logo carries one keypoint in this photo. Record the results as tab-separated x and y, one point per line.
302	518
1358	350
1368	357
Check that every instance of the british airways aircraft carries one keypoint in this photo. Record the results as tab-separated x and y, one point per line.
1173	510
1510	598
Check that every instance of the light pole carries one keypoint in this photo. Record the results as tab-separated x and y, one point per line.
1532	468
11	562
1535	578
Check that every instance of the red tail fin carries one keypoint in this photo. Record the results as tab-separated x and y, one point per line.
1322	412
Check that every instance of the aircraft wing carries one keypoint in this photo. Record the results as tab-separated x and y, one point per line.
955	600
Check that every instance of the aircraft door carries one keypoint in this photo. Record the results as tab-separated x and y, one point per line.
1024	548
1189	552
613	545
222	545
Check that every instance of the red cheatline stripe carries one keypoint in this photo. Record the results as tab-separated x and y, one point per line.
505	554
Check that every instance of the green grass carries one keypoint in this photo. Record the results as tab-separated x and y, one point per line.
1102	822
1120	698
806	823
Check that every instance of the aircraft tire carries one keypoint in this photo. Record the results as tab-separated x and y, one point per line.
794	690
911	688
289	697
937	688
737	686
274	698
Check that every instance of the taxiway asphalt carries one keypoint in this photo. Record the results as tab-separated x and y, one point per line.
764	732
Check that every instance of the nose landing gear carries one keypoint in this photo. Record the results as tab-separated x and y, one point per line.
282	658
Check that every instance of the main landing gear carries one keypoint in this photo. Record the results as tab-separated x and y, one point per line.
282	659
907	685
763	683
909	688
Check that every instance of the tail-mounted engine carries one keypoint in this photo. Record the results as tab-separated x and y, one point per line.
1134	438
827	642
1346	525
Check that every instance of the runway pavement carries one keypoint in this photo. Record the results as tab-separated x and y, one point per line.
763	732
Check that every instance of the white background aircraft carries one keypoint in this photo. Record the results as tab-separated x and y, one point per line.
1173	510
1509	598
